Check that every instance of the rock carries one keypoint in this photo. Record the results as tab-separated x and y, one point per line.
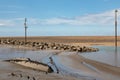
44	46
13	74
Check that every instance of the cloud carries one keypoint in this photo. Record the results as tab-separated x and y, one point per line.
1	24
5	22
11	22
104	18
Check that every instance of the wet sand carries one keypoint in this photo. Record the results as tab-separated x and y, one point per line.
100	71
10	71
89	67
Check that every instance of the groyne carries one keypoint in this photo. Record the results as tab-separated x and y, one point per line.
48	46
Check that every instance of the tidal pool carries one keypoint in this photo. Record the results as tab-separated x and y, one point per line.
105	55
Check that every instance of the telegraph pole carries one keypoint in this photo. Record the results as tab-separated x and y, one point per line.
116	37
116	30
25	30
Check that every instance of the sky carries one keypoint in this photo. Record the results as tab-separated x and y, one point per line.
59	17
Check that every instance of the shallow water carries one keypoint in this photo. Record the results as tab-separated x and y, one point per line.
106	55
9	53
43	56
35	55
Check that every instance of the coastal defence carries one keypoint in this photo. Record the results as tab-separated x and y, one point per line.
46	46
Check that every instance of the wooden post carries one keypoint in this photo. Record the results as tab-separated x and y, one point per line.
116	37
116	29
25	30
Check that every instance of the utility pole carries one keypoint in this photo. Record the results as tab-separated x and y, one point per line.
116	30
116	37
25	30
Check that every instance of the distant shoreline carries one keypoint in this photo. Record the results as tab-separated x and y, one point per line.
74	40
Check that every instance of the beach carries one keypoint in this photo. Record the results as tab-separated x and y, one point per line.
74	40
71	65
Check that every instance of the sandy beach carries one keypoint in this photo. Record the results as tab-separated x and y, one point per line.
73	40
90	69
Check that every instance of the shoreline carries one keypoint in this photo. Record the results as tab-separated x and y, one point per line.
75	40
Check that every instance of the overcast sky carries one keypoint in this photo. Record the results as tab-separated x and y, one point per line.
59	17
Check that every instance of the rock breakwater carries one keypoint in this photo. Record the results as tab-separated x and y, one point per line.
47	46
